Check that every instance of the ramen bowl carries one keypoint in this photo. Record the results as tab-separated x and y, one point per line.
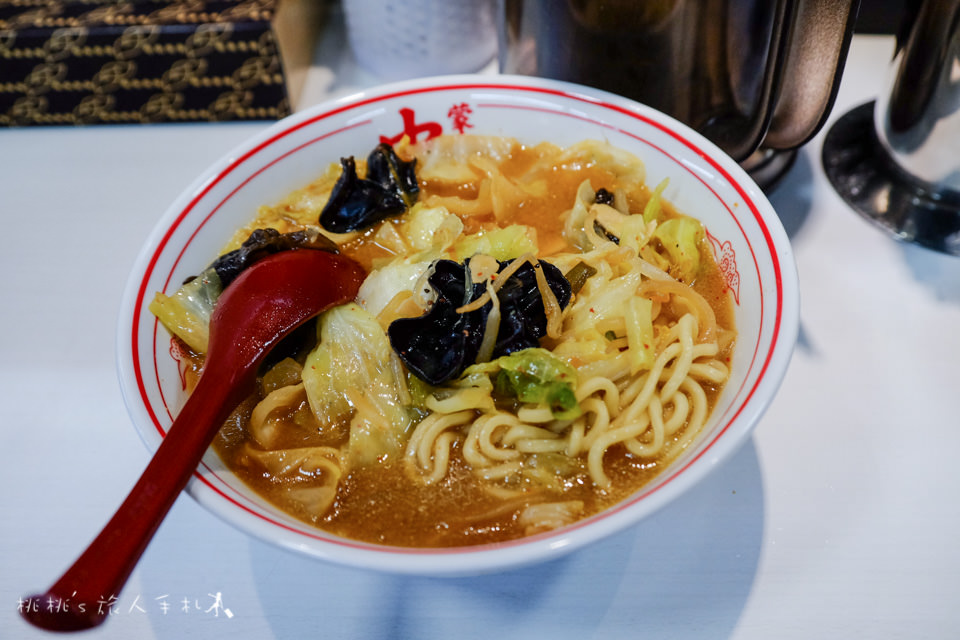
749	242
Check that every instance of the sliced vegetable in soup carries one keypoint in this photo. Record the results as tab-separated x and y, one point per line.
540	333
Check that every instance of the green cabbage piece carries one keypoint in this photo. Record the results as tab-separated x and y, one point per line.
430	229
354	360
537	376
680	239
186	313
652	210
503	244
382	284
638	316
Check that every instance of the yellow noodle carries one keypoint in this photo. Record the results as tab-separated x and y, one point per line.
441	457
575	433
638	404
540	445
285	398
680	410
614	368
700	410
686	328
605	441
461	400
642	414
655	434
601	422
535	415
706	318
500	471
712	371
420	446
487	428
520	431
597	384
544	517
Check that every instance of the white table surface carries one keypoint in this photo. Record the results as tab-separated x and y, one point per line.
839	519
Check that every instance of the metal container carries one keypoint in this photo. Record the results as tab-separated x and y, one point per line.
896	160
756	77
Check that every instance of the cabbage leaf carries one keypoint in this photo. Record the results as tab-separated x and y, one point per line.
652	210
186	313
503	244
537	376
640	336
350	375
680	239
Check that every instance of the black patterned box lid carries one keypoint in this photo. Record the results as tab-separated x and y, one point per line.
145	61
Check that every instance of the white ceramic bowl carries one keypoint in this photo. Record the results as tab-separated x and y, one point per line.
747	235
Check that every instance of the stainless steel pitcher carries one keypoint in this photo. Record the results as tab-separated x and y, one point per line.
896	160
754	76
918	119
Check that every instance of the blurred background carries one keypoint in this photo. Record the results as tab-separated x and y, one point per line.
879	16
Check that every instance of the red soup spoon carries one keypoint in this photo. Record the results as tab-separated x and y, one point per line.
264	304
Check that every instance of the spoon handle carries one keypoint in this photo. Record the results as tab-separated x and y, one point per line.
83	596
265	303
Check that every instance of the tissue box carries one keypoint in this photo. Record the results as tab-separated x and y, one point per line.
143	61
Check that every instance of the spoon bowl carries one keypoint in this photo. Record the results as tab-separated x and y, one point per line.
263	305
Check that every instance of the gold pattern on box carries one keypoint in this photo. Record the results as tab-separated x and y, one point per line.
134	61
49	13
